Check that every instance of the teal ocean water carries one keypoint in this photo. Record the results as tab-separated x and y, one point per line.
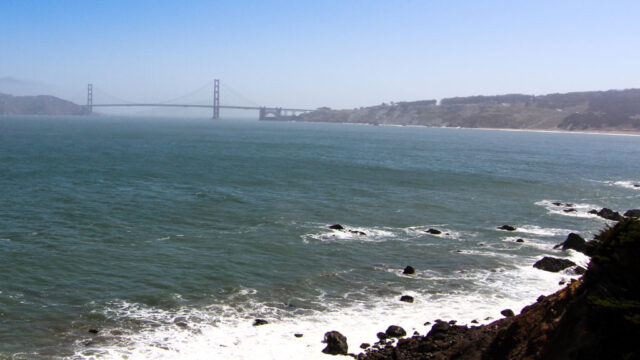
170	236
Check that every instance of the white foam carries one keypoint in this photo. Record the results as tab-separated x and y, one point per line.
578	210
220	331
540	231
421	230
363	234
627	184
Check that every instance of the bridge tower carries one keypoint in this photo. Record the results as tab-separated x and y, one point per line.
90	98
216	99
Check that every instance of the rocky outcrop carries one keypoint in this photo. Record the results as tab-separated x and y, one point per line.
634	213
596	317
552	264
574	242
610	214
336	343
507	228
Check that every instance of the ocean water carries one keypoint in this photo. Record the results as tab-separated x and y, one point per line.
171	236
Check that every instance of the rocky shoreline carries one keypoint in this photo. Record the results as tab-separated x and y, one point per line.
594	317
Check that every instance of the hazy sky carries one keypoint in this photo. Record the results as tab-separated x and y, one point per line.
343	53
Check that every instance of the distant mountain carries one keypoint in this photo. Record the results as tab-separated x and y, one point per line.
38	105
614	110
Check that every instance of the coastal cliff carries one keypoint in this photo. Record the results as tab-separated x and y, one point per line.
614	110
596	317
38	105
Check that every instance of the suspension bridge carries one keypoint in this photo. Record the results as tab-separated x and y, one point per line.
264	112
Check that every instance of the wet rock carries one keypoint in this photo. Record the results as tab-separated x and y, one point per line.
569	205
634	213
593	212
258	322
434	231
609	214
636	185
574	242
381	336
439	329
427	323
409	270
474	321
519	240
570	210
416	333
336	227
93	331
507	313
365	345
407	298
395	331
452	322
116	332
507	228
298	335
182	324
557	203
541	298
579	270
336	343
552	264
361	233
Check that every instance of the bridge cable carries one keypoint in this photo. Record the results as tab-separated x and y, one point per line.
188	94
238	94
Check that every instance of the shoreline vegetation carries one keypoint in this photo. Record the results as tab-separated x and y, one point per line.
613	111
594	317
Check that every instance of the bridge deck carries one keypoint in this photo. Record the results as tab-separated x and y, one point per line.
199	106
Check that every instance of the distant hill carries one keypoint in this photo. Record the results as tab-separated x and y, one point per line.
38	105
614	110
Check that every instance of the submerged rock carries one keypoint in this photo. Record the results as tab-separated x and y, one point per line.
552	264
336	227
406	298
507	228
336	343
519	240
409	270
258	322
434	231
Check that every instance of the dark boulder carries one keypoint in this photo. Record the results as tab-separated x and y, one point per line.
406	298
93	331
519	240
507	313
574	242
507	228
557	203
434	231
593	212
570	210
439	329
395	331
336	227
634	213
336	343
258	322
553	264
361	233
381	336
579	270
365	345
409	270
298	335
610	214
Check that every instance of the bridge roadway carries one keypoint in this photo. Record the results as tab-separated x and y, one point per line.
204	106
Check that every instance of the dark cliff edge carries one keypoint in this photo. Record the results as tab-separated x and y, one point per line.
613	110
596	317
38	105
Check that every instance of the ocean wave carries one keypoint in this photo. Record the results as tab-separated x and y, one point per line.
224	331
363	234
569	209
542	231
627	184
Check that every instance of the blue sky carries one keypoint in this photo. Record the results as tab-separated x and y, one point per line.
342	54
